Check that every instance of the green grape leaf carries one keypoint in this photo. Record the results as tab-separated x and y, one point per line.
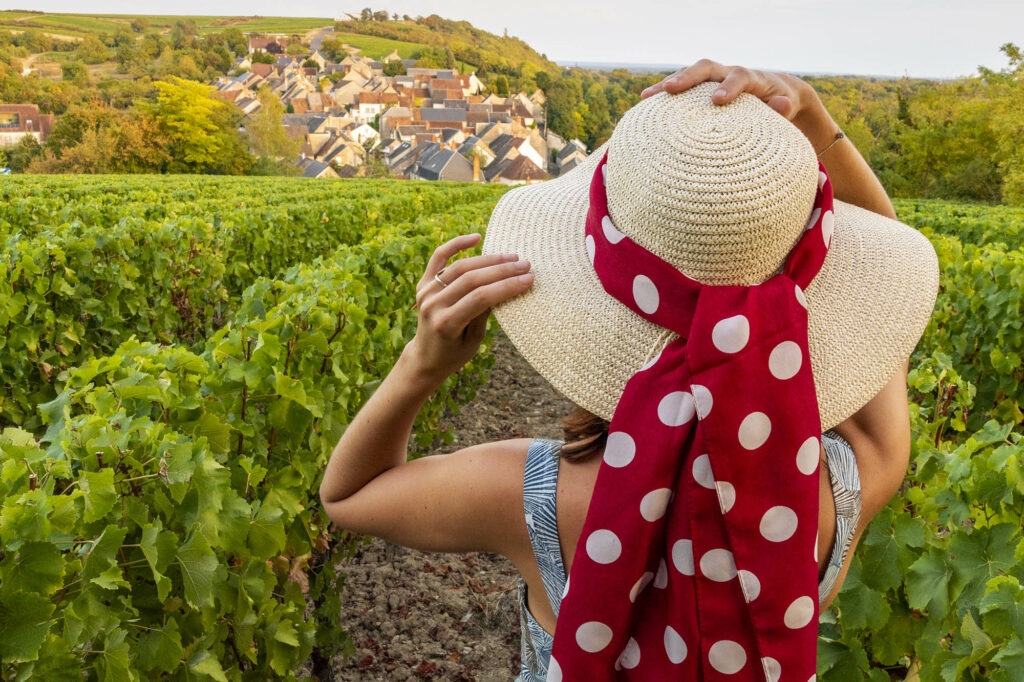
1010	659
24	621
98	492
160	648
205	663
927	582
35	567
198	566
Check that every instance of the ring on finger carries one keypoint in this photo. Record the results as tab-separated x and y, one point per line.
437	276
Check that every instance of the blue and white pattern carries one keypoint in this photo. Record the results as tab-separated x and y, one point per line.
539	487
539	481
842	471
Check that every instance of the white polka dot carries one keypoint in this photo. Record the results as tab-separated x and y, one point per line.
785	360
731	334
821	179
800	296
813	219
754	430
603	546
604	175
630	657
640	585
808	456
718	565
591	248
727	656
593	636
554	671
827	225
650	363
619	449
661	580
772	669
610	233
799	613
702	472
726	495
750	585
676	408
778	524
682	556
654	503
675	647
566	590
645	294
813	678
702	399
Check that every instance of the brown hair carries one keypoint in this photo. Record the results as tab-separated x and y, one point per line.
585	434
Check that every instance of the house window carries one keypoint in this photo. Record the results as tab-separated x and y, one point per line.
9	120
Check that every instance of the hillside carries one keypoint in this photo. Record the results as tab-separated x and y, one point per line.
78	26
497	54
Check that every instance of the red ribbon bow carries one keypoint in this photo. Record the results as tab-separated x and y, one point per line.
698	556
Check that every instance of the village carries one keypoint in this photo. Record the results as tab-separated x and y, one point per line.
426	124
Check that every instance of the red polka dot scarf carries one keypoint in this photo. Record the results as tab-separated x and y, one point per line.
698	559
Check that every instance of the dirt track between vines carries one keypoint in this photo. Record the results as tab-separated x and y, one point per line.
430	616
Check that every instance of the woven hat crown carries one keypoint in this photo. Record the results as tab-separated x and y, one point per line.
722	192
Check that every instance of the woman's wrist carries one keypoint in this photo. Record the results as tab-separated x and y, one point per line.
413	372
816	123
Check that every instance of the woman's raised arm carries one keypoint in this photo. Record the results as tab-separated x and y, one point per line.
853	181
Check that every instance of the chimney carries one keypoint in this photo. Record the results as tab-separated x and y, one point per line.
476	169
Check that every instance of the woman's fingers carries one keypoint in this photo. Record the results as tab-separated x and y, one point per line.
445	251
779	91
739	79
688	76
474	293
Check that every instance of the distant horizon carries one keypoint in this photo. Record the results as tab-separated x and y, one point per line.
640	67
870	38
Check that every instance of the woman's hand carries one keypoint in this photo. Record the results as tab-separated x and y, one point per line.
453	318
789	95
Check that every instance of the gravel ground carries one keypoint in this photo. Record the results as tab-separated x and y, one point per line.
441	616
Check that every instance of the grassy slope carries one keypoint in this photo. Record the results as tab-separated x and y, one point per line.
456	34
375	48
80	25
375	39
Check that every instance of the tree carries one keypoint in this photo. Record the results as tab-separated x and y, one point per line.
267	135
366	14
543	79
17	157
75	72
449	58
501	86
310	64
296	49
396	67
140	24
380	15
262	58
92	51
199	130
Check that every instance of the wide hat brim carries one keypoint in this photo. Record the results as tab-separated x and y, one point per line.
867	306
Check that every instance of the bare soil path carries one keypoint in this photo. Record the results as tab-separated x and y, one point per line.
429	616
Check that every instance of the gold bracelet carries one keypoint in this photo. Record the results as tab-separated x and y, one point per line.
840	135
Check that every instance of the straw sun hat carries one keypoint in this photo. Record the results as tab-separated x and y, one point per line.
722	193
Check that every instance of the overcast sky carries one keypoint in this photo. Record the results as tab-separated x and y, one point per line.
923	38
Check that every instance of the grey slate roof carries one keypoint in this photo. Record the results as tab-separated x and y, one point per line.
443	114
568	150
314	168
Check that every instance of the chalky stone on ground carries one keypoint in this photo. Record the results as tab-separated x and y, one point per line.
425	616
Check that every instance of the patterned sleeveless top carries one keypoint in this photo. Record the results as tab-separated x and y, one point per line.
539	485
